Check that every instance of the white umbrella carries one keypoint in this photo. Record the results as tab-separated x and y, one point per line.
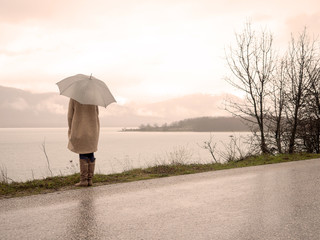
86	90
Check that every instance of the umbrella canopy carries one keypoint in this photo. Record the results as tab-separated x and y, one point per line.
86	90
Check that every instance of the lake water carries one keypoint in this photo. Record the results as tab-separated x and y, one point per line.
22	156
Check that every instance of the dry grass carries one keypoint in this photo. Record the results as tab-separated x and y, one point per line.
60	183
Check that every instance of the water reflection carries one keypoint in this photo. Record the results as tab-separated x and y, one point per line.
85	225
275	205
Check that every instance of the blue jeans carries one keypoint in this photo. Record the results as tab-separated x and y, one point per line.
89	156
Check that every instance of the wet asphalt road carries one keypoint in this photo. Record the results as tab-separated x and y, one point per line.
280	201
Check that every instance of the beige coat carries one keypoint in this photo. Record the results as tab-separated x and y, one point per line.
84	127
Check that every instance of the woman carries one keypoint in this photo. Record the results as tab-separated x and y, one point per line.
83	133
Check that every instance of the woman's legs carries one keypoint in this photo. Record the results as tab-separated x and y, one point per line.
89	157
84	171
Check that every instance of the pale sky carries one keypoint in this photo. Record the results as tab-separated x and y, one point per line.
145	50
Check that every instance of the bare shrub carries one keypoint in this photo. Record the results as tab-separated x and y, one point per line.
43	145
238	148
210	146
235	150
4	175
179	155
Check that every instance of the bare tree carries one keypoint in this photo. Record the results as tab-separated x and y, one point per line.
252	64
309	129
275	118
315	91
300	62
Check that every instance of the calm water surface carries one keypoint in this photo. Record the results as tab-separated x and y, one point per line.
23	157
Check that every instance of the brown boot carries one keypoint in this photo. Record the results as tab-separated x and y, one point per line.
90	172
83	173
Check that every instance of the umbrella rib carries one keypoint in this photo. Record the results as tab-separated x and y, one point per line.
66	88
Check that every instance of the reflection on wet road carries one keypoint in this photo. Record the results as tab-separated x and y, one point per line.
280	201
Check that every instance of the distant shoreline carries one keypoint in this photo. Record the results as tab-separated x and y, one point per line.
121	129
138	130
200	124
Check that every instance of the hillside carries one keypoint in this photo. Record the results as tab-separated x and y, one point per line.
202	124
21	108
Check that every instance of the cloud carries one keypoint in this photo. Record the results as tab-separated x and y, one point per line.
18	53
297	23
16	11
19	104
50	109
188	106
53	105
74	13
143	49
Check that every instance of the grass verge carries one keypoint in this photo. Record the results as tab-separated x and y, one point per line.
60	183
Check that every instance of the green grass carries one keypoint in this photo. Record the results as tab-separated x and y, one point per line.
60	183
